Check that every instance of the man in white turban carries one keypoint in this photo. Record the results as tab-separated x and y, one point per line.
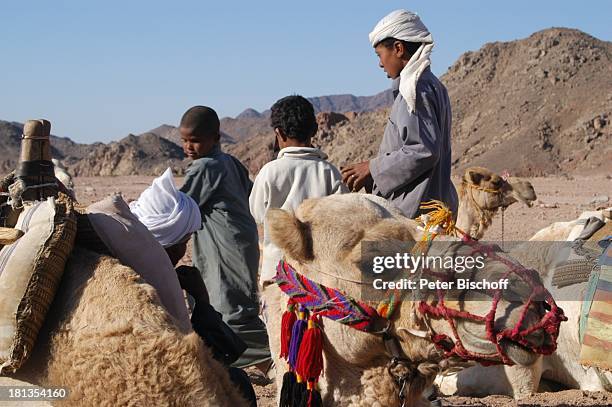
414	159
172	216
169	214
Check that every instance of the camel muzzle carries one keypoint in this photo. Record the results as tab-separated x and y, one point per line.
527	335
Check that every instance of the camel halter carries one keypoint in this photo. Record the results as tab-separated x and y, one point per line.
480	209
549	323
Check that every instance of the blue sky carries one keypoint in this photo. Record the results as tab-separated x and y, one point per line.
100	70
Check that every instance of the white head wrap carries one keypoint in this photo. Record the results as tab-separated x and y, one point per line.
168	213
406	26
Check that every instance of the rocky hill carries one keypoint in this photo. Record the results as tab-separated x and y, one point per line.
132	155
10	142
350	103
535	106
251	123
539	105
171	133
151	147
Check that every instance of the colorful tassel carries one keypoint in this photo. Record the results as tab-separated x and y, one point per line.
310	357
296	337
286	394
300	392
313	396
288	320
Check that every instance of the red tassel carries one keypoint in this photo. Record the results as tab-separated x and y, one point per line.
288	320
310	358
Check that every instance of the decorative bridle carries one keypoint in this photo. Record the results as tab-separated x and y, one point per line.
481	211
310	297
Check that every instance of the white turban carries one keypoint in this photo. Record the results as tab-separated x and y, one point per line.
168	213
406	26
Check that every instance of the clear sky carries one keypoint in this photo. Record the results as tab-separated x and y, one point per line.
100	70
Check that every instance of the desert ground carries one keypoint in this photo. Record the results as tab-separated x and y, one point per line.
559	198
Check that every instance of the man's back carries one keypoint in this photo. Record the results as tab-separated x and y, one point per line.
299	173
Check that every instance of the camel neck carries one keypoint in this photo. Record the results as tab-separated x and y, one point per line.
467	220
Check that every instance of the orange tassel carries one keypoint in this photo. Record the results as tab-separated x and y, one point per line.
310	358
287	322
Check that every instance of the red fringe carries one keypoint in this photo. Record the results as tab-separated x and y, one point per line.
287	322
310	358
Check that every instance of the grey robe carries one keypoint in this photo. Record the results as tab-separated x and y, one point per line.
414	159
226	249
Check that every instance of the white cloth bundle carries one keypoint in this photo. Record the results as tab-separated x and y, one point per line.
168	213
406	26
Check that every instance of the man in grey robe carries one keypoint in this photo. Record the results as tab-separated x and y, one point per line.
414	159
226	248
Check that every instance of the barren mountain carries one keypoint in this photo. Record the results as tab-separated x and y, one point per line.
251	123
10	142
171	133
350	103
536	106
133	155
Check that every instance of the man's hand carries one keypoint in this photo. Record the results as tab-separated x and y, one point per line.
356	176
191	281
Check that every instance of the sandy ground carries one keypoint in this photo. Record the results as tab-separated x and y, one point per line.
559	199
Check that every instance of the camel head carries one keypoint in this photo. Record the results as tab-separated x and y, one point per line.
521	191
482	193
323	241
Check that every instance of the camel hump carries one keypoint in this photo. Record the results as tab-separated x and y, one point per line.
127	239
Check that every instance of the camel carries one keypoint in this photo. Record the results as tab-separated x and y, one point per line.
482	193
108	339
323	241
569	230
541	253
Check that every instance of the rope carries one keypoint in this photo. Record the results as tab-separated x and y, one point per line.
481	211
549	322
503	211
441	216
358	315
478	187
17	190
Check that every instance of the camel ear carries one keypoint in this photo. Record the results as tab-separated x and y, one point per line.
290	234
473	176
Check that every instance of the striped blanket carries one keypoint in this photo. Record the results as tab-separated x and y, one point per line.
596	337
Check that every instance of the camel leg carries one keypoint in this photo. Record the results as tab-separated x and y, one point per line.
481	381
524	380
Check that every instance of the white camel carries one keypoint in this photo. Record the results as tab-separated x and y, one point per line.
542	253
